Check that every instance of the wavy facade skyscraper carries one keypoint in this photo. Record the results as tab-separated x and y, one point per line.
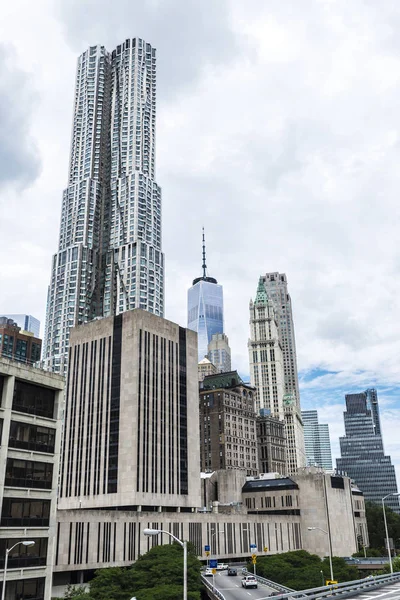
109	257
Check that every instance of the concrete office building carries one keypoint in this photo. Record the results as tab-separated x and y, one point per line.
317	441
26	322
362	452
109	256
227	424
17	344
30	430
130	421
272	447
219	352
205	308
272	512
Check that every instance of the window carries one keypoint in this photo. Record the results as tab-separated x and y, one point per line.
33	399
24	556
21	512
32	437
27	473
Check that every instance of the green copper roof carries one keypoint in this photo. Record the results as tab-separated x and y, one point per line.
222	380
261	296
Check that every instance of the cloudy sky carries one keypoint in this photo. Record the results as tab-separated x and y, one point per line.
278	130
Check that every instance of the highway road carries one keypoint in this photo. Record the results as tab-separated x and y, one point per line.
389	592
231	587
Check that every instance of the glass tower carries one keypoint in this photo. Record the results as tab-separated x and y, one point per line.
205	308
362	453
316	440
109	258
26	322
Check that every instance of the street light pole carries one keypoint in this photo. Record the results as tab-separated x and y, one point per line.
386	528
212	536
184	546
329	544
8	550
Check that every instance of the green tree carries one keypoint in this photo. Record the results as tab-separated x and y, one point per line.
376	526
368	552
300	570
158	574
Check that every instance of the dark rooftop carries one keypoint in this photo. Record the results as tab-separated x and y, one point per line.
259	485
223	381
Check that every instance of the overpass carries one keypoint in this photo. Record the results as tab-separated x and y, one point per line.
384	587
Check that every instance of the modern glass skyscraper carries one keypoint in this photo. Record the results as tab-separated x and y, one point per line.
109	257
26	322
316	440
362	453
205	308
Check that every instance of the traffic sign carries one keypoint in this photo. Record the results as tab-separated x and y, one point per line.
214	571
330	582
213	563
254	560
254	556
207	548
207	553
253	546
265	549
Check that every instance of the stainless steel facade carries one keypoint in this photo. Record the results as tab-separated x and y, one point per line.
109	258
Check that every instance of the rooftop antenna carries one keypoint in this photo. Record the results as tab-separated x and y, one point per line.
204	266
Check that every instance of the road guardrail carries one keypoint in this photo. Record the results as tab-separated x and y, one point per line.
212	589
342	590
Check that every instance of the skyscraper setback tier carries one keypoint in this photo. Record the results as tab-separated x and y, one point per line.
109	257
267	373
277	289
362	453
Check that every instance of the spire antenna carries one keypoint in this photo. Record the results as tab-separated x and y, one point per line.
204	266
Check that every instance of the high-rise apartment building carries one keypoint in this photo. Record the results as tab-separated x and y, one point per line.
362	452
316	440
219	352
205	308
26	322
268	374
227	424
109	257
132	396
17	344
30	431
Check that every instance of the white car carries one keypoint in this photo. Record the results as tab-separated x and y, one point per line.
208	572
249	582
222	567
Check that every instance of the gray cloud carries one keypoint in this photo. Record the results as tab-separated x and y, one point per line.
189	35
19	158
